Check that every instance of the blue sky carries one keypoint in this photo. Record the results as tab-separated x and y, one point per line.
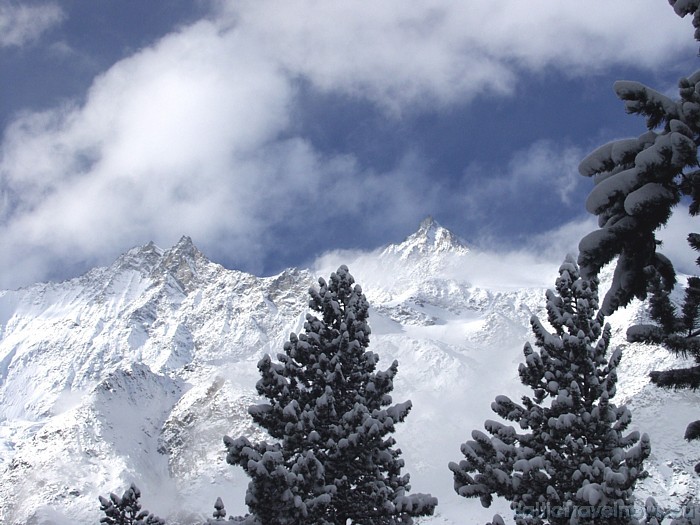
272	132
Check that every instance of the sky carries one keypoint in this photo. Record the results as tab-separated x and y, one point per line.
275	132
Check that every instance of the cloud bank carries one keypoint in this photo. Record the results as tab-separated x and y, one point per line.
196	134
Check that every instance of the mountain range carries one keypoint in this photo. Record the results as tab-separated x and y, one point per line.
134	372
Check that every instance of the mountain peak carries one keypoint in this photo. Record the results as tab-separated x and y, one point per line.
183	261
430	238
428	224
186	248
185	241
141	258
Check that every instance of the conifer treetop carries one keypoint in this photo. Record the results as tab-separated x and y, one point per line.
331	413
567	448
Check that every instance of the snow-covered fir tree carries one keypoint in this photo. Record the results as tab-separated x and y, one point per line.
637	184
678	329
567	456
127	509
688	7
639	181
219	513
331	413
219	510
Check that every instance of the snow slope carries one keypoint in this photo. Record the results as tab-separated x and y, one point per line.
134	372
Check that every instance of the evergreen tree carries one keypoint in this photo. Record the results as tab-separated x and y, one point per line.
219	513
127	509
639	181
331	412
637	184
688	7
567	455
677	331
219	510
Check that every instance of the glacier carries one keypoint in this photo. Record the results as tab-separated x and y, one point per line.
134	372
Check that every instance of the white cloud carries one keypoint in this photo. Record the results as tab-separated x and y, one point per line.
555	244
544	168
194	134
23	24
536	261
435	54
549	164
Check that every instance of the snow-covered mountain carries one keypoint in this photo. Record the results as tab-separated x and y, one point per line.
134	372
